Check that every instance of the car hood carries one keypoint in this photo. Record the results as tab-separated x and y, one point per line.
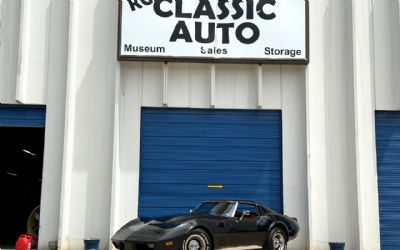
154	229
171	218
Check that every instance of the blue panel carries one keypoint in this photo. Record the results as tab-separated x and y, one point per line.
22	116
388	160
185	150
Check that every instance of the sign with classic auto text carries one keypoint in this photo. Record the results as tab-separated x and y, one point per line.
215	30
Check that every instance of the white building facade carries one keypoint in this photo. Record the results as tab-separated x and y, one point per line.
63	54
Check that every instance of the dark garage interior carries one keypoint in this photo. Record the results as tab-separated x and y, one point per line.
21	153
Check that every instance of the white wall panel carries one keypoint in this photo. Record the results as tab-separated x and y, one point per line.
387	54
33	52
124	203
152	80
271	87
295	199
225	76
236	86
9	38
189	85
178	85
199	89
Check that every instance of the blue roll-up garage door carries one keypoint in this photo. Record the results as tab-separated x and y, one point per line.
190	155
22	116
388	160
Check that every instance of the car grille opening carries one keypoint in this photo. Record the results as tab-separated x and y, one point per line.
143	247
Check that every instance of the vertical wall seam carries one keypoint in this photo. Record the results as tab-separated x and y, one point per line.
259	86
141	81
165	84
189	96
281	86
212	85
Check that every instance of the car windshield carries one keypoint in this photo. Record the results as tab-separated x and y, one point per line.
222	208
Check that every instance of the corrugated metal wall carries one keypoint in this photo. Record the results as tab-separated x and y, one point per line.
185	150
388	160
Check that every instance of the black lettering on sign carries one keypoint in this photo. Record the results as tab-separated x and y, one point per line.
134	4
252	38
159	11
225	31
204	9
280	52
178	10
213	51
238	9
181	32
198	32
146	2
136	48
128	47
223	8
260	9
250	9
246	32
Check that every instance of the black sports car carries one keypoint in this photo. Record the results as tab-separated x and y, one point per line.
211	225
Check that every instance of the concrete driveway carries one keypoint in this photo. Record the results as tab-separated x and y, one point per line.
242	248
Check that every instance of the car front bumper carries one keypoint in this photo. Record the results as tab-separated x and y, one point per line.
170	244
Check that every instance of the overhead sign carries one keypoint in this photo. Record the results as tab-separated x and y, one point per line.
214	30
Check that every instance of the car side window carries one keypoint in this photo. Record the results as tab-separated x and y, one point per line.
230	209
246	210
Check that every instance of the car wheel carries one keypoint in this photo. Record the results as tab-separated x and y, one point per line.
197	240
276	240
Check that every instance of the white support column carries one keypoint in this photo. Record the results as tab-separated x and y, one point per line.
55	121
316	131
89	124
367	189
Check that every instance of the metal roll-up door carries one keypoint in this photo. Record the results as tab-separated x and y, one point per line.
190	155
388	160
22	116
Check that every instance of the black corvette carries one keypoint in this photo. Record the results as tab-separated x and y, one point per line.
211	225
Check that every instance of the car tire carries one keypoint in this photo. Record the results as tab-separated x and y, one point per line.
276	240
197	240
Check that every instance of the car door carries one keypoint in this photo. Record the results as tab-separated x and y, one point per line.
245	230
